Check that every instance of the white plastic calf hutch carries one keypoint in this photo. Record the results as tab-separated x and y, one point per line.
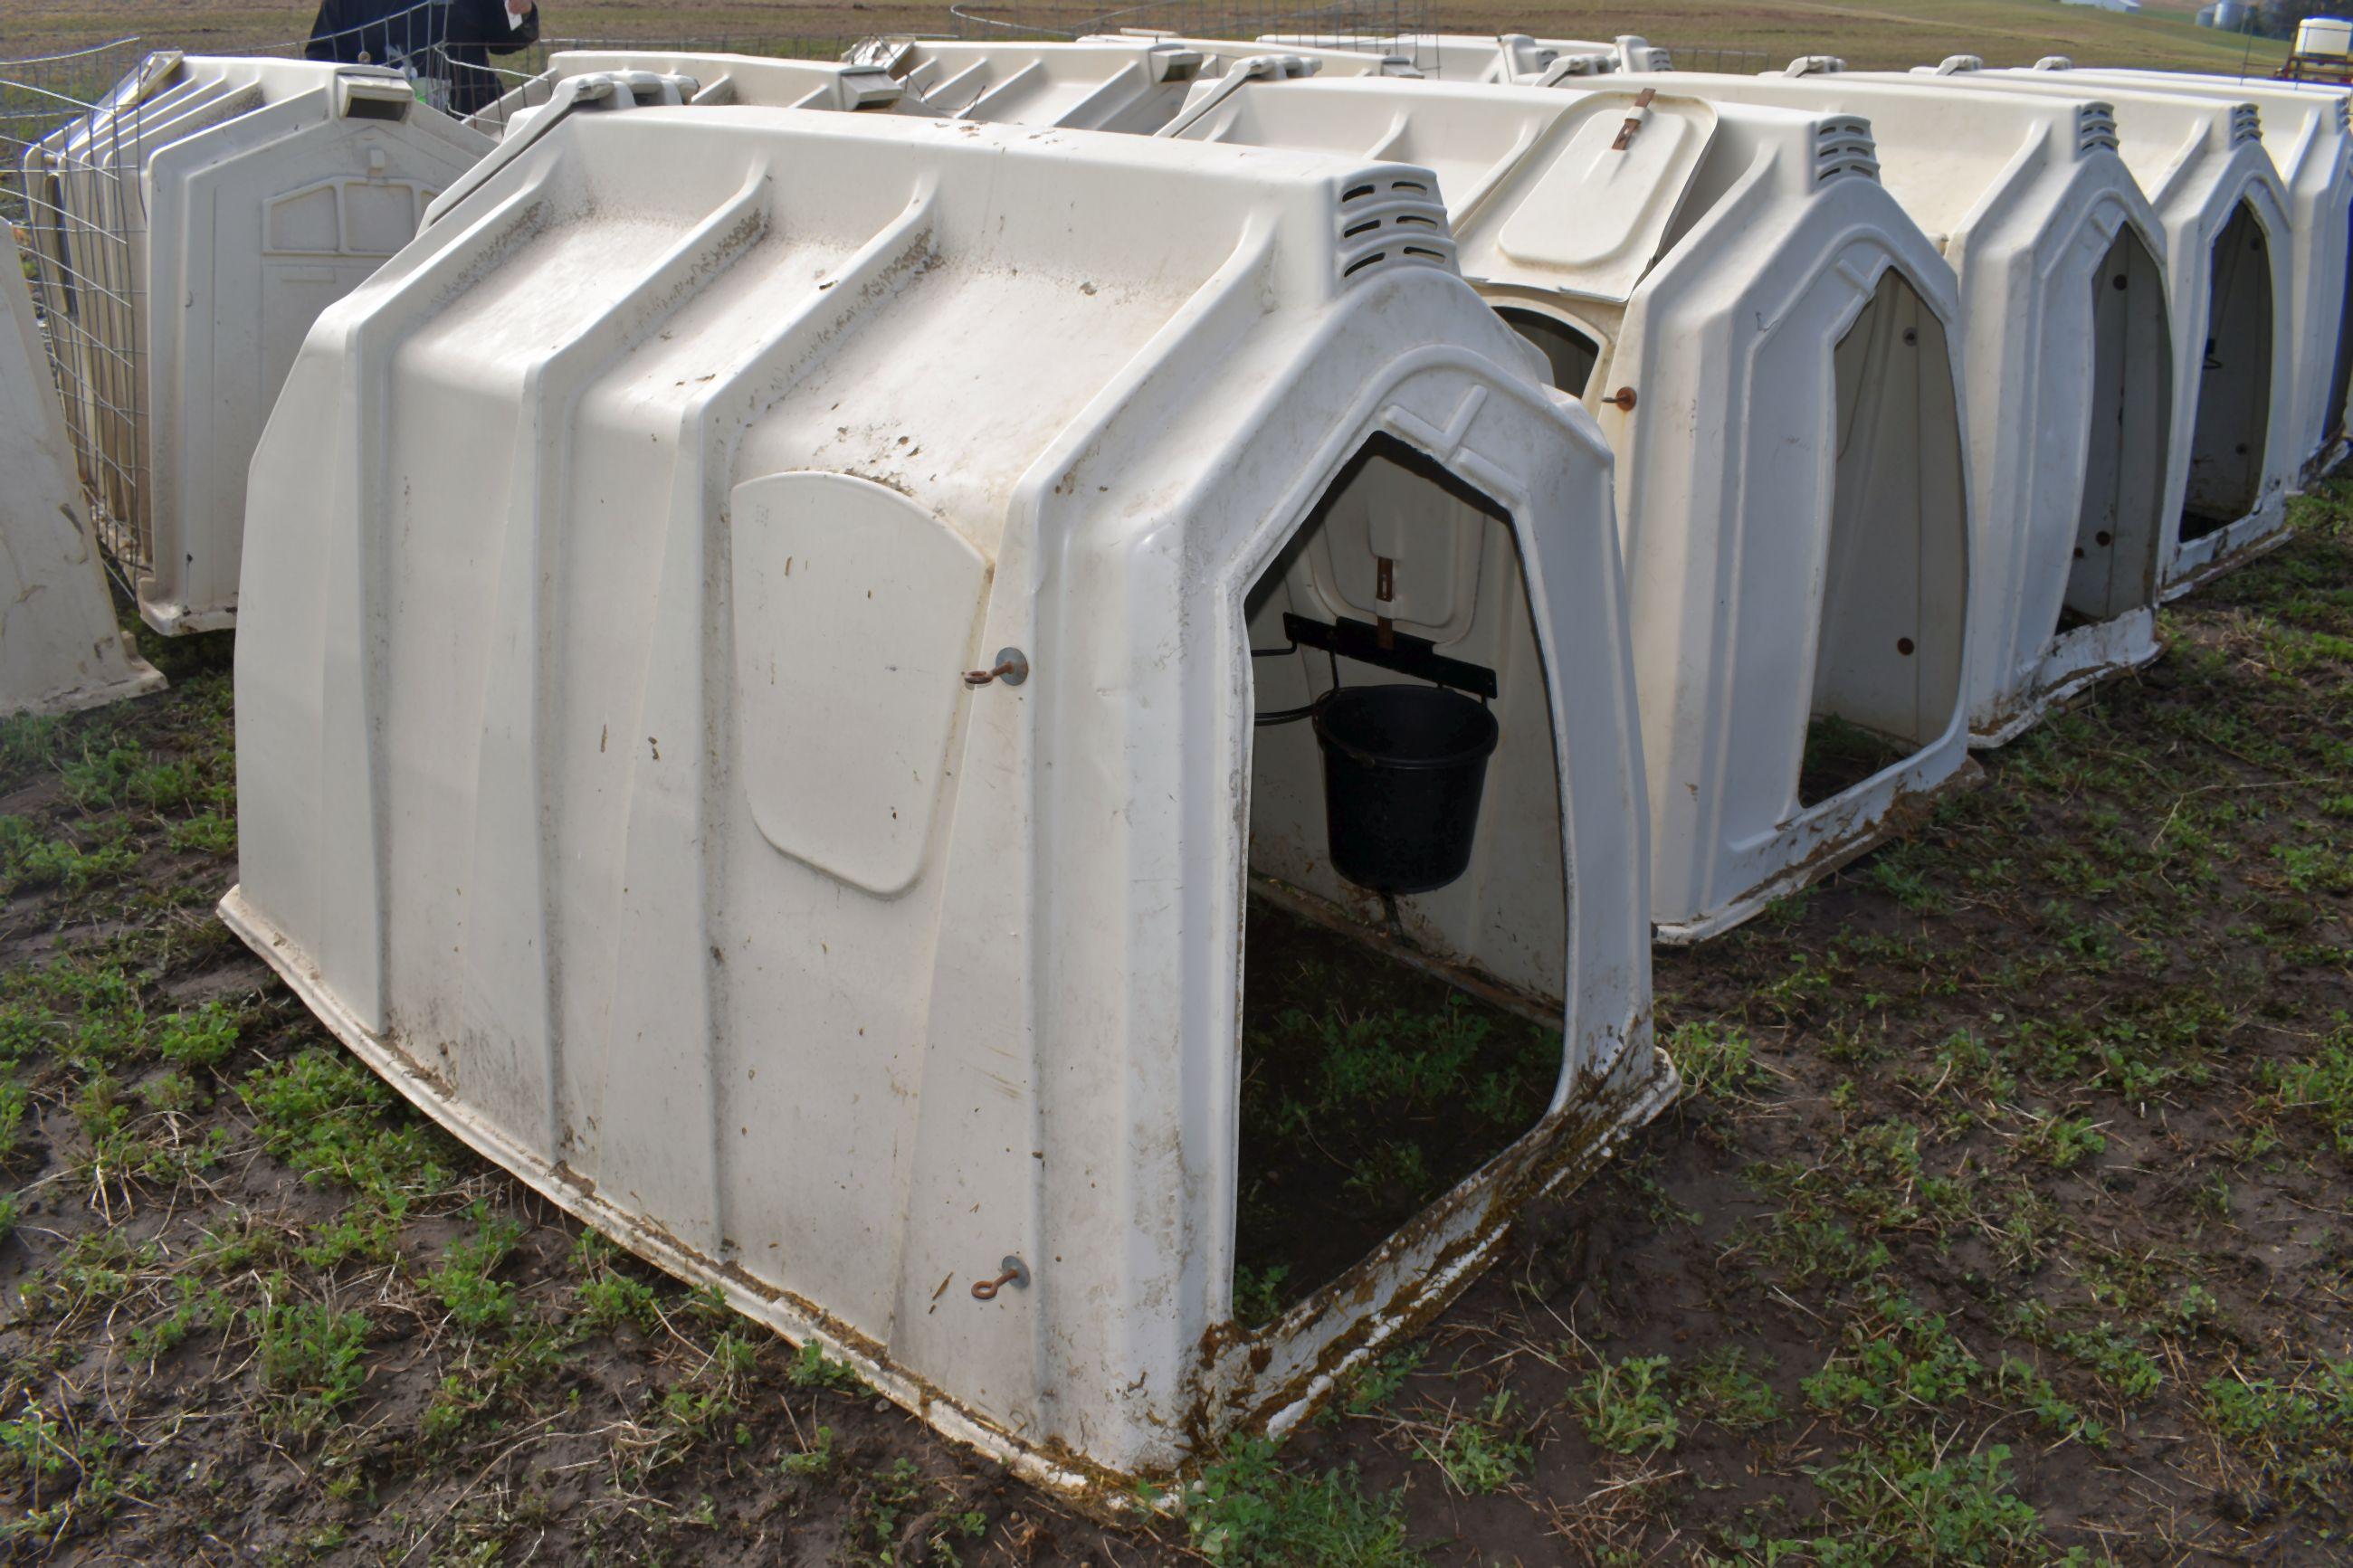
1503	58
1220	55
2304	130
1763	335
1126	82
2068	370
189	230
649	77
1101	84
2234	452
762	744
60	648
1498	58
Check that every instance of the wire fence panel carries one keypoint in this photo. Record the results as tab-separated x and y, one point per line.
77	131
1730	62
71	130
524	82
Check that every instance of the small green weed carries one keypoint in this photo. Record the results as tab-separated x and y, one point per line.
201	1037
1896	1356
312	1359
1480	1454
464	1283
2115	1358
1716	1060
1379	1381
812	1368
815	1459
1626	1404
2320	1088
1258	1293
1723	1387
1903	1504
1247	1511
2063	1143
2019	1379
2298	1433
610	1299
326	1116
211	834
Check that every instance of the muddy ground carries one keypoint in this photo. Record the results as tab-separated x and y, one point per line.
2009	1219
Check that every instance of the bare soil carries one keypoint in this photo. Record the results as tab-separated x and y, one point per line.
1369	1088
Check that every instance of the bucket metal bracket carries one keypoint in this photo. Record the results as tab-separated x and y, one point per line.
1407	655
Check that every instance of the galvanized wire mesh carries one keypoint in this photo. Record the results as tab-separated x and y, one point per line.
76	130
523	81
1731	62
70	188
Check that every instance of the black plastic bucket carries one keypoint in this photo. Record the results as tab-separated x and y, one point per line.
1403	766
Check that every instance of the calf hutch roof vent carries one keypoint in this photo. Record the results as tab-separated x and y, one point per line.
1767	355
60	648
187	232
2095	127
806	667
2305	132
1843	147
2068	368
2232	451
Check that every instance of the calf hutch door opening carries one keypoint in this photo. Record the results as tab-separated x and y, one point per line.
2120	534
1887	665
2340	386
1406	937
2234	389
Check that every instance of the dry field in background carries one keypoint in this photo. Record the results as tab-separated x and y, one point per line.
1894	33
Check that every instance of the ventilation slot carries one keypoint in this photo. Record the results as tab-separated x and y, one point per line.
2095	127
1390	217
1843	147
2246	123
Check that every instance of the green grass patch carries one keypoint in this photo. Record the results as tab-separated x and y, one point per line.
1247	1511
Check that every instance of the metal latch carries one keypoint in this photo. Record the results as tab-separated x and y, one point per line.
1636	120
1012	1271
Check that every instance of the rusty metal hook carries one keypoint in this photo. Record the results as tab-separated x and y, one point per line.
1622	399
1016	1274
1012	667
